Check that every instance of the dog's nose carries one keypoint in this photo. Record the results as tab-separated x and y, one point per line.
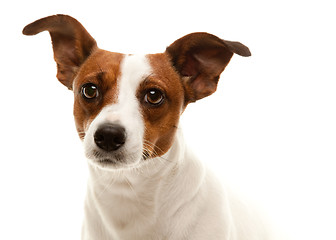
110	137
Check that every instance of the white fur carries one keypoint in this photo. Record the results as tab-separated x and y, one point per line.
172	197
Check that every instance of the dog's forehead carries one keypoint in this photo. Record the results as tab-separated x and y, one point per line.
134	69
131	69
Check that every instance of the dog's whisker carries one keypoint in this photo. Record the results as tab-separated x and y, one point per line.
155	150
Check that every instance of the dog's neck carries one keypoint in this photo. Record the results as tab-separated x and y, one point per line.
134	198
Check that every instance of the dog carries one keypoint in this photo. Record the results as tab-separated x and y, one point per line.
144	183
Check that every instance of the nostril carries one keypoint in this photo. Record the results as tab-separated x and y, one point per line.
110	137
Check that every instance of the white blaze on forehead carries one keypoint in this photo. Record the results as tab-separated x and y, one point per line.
134	69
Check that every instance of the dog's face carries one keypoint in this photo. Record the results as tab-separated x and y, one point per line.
127	107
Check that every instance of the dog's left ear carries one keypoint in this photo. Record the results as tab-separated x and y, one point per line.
72	44
202	57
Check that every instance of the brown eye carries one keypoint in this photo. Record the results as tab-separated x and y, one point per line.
89	91
154	97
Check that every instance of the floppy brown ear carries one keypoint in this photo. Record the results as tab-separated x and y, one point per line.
202	57
72	44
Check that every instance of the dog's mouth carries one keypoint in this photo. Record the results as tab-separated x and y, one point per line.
116	160
107	161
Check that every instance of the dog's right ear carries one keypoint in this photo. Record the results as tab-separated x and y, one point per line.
72	44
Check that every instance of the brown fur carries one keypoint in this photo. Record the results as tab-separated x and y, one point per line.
201	58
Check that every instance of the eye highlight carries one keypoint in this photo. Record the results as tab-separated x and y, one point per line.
89	91
154	97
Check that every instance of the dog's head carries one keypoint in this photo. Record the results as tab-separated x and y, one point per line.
127	107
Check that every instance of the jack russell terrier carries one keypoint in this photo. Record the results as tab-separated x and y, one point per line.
144	183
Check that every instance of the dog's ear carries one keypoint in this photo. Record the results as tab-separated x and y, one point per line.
72	44
201	58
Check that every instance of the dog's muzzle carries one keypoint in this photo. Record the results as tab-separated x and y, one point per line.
111	145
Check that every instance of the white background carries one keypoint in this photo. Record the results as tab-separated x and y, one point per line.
269	129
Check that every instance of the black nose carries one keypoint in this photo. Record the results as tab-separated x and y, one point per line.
110	137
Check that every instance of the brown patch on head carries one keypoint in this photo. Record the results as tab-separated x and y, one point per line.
101	69
161	121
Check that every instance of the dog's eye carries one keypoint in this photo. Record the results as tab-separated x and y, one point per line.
89	91
154	97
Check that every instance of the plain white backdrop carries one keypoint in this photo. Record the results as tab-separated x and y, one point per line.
269	130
